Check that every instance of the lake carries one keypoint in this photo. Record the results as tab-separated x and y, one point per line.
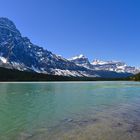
70	111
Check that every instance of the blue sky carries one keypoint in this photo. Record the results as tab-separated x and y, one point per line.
102	29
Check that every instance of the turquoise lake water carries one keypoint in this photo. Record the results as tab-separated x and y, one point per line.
70	111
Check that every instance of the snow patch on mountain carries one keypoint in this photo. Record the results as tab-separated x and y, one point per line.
81	60
77	57
3	59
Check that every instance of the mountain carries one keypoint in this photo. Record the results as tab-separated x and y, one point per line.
114	66
18	52
80	60
98	65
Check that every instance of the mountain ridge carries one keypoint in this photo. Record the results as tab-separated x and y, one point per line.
18	52
116	66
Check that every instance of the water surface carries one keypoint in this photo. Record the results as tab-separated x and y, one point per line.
70	111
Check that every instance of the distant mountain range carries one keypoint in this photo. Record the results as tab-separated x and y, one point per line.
17	52
115	66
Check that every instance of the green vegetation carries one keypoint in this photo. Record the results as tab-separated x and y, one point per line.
135	77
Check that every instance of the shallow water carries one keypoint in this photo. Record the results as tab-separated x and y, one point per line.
70	111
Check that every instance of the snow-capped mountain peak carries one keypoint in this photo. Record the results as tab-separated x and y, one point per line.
101	62
98	62
80	60
116	66
77	57
17	52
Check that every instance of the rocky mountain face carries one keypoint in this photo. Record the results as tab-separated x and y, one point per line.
18	52
81	60
115	66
